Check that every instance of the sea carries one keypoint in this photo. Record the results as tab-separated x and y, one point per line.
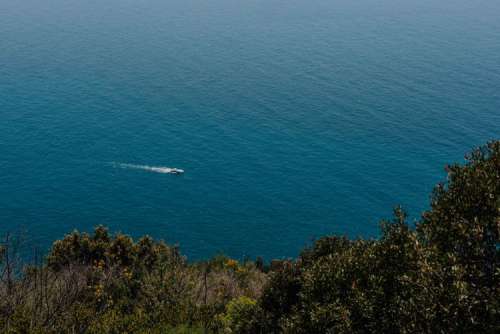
292	119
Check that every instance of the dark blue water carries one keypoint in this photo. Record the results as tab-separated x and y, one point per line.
292	119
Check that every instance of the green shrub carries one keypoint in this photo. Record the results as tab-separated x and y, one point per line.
442	277
240	316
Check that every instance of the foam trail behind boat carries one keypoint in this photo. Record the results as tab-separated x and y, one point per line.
154	169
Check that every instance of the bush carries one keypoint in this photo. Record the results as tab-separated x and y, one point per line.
240	316
102	283
442	277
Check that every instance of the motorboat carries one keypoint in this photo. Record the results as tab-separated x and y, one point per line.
176	171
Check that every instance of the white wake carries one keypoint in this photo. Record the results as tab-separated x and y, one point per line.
161	170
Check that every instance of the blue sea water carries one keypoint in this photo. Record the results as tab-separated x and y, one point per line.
292	118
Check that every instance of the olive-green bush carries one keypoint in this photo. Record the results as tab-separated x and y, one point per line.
442	277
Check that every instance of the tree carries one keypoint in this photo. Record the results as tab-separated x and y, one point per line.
443	276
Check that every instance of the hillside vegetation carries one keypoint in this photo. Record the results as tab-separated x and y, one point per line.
441	275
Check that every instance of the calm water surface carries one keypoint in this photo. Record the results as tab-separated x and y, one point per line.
292	119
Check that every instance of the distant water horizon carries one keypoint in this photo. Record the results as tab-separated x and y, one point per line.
291	119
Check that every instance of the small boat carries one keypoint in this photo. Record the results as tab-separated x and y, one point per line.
176	171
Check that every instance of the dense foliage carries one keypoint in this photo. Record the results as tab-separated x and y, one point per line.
440	276
101	283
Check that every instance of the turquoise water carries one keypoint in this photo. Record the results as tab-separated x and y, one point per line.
292	119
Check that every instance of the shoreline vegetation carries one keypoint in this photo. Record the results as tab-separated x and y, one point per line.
441	276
